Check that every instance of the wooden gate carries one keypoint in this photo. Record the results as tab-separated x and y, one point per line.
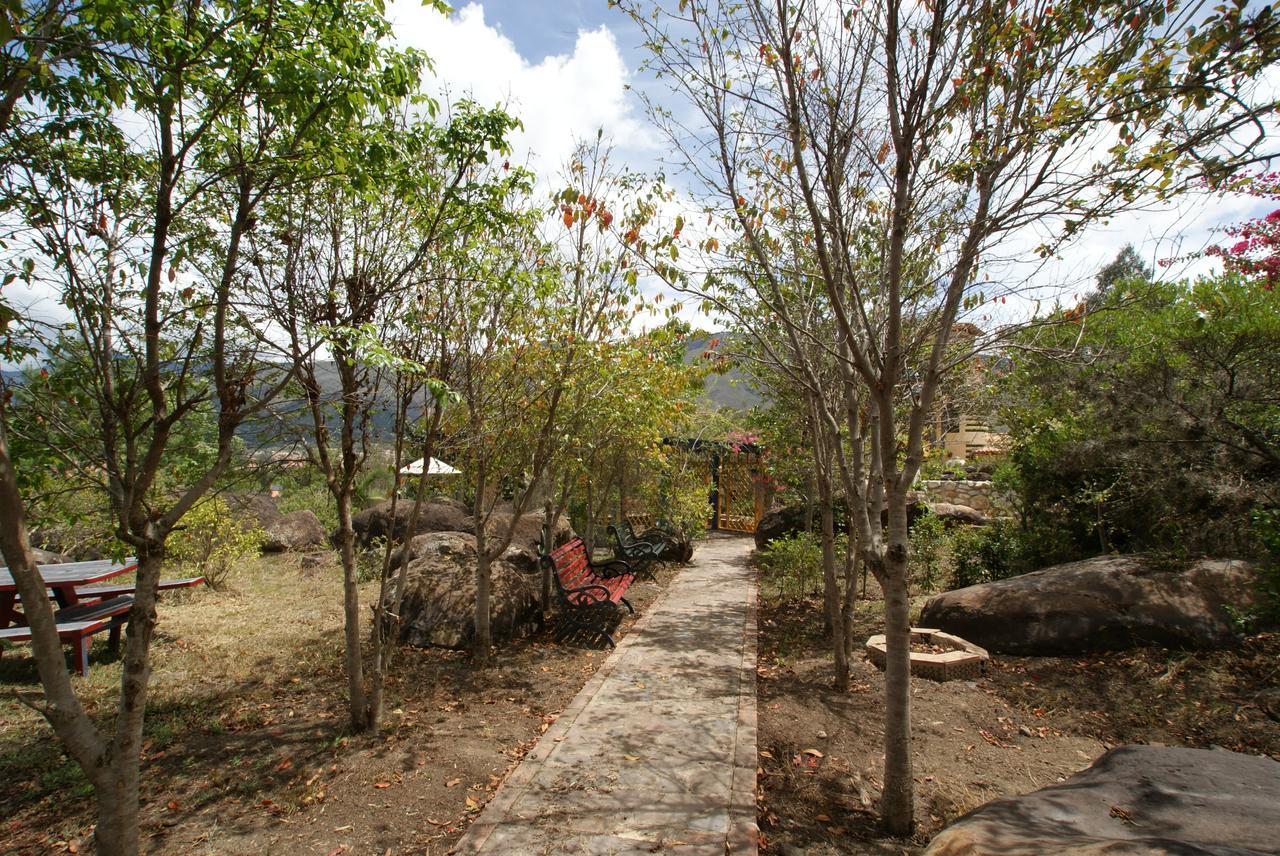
739	503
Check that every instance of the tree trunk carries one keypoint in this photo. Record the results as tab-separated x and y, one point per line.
351	616
116	790
831	589
848	608
896	803
484	634
548	536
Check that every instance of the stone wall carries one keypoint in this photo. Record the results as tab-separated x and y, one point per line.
978	495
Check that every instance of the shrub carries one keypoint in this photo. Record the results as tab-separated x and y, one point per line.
930	546
983	554
794	563
212	541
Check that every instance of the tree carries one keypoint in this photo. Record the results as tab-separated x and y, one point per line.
1156	427
128	166
899	143
1256	250
1125	266
346	272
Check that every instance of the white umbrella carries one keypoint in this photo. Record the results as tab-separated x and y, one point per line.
437	468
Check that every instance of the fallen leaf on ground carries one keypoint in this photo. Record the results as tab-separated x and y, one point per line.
382	785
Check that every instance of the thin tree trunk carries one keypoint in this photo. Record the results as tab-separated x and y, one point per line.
896	805
848	608
831	589
483	636
548	535
351	615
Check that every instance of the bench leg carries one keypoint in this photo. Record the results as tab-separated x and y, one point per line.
113	638
627	604
81	647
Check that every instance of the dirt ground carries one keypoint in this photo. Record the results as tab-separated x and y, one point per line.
1029	722
247	750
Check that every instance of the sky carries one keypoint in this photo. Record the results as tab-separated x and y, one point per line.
565	67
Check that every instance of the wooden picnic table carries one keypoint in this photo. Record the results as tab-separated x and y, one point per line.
63	580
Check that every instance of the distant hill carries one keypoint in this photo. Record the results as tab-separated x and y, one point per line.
731	390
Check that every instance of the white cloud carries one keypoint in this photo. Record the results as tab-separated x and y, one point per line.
559	99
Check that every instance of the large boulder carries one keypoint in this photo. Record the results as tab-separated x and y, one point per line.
528	529
781	523
438	514
1100	604
458	545
254	508
1134	800
297	530
438	608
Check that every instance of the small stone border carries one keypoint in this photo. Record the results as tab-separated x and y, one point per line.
964	660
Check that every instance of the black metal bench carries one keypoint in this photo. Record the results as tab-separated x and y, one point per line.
77	624
591	595
641	553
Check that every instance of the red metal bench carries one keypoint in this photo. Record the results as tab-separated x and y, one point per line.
591	595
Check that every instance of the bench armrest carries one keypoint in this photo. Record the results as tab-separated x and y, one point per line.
613	568
594	593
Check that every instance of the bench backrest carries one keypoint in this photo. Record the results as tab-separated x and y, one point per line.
572	566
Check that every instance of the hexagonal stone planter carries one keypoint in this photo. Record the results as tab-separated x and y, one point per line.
961	659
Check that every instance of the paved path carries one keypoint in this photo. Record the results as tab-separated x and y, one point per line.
657	753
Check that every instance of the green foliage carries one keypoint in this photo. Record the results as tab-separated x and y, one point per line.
301	493
930	551
1266	524
1156	427
212	541
794	563
986	553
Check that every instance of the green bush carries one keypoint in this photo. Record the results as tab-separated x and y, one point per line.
1266	527
983	554
794	563
930	549
212	541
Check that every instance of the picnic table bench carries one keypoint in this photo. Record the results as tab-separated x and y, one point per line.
591	594
83	609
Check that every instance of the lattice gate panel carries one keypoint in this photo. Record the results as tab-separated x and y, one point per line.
740	501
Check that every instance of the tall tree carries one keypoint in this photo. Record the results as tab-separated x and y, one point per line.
142	162
346	266
902	142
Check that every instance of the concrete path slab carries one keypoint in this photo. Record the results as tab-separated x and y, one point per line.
657	753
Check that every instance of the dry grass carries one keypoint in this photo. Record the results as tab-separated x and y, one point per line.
246	747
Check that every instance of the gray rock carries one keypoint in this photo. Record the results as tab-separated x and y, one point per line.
1101	604
438	514
951	514
297	530
44	557
438	609
780	523
255	508
1134	800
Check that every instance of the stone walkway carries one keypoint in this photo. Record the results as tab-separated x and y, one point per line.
657	753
